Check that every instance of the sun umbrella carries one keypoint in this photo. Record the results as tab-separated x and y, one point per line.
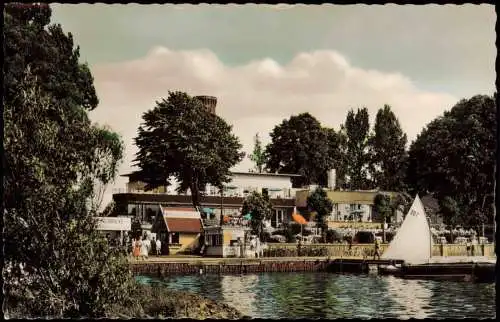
298	218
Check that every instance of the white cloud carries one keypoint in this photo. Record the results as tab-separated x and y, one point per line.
257	96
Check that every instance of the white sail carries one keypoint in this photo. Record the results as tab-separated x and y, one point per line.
413	241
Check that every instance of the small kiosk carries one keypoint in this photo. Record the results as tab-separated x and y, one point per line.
114	226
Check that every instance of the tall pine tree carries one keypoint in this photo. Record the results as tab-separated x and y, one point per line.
258	156
356	129
389	157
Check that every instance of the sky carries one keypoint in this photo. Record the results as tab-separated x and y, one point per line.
265	63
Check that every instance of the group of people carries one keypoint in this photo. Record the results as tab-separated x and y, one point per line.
142	248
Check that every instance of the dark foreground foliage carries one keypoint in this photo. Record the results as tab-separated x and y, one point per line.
149	302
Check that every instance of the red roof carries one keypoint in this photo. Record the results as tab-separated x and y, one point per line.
179	209
183	225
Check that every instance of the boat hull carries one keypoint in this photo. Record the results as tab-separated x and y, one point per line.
472	272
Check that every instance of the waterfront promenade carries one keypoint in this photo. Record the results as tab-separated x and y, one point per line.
162	266
216	260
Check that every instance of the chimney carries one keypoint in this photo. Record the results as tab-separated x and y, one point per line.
210	102
332	178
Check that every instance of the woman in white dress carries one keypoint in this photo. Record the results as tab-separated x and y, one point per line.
144	249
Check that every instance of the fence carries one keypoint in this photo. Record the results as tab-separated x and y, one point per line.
165	269
366	250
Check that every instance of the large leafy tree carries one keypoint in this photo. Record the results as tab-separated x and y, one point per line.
31	41
180	139
51	164
300	145
356	129
260	208
454	157
388	147
386	206
258	157
319	202
337	143
107	155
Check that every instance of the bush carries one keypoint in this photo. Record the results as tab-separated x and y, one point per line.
314	251
306	251
294	228
333	236
81	276
348	239
280	252
389	236
364	237
266	237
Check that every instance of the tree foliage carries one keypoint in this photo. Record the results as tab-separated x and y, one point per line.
450	210
110	210
337	144
319	202
356	129
300	145
31	41
179	138
52	160
388	147
258	157
454	157
260	208
382	206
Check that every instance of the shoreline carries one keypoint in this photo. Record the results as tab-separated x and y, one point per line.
240	266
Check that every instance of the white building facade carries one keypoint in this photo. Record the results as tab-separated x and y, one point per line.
277	186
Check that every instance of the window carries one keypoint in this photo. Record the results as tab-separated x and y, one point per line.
175	238
132	210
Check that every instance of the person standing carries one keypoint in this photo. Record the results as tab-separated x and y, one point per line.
137	248
153	247
158	247
474	246
257	247
144	248
377	249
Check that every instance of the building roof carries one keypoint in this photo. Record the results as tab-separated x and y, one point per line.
341	197
239	172
183	225
266	174
180	212
184	200
180	209
352	197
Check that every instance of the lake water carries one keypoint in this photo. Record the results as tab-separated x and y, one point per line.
331	296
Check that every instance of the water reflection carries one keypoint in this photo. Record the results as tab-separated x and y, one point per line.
240	292
331	296
412	296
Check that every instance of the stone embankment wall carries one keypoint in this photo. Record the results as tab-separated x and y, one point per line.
367	250
163	269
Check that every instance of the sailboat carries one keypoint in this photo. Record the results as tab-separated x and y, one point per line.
413	244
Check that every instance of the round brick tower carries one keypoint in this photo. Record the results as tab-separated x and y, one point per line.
210	102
